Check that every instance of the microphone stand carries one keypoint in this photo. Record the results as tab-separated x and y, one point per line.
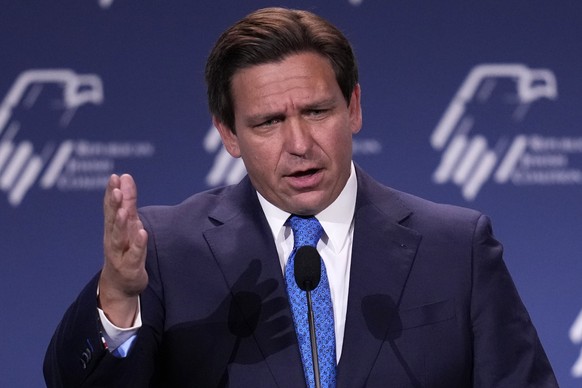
313	339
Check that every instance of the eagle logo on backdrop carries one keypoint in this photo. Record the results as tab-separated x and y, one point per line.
20	166
35	147
480	133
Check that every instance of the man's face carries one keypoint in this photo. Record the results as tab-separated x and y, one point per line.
293	131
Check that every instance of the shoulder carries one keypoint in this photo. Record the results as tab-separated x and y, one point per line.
193	206
421	207
413	211
198	210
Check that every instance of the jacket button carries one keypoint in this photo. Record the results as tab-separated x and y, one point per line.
85	358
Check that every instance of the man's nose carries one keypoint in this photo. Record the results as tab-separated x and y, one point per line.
298	139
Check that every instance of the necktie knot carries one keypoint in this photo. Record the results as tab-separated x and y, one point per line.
306	230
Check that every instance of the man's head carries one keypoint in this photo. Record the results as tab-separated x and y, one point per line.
287	103
270	35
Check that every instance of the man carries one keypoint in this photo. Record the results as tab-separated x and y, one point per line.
196	295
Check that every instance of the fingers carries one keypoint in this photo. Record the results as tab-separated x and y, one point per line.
120	201
124	233
111	201
121	193
129	195
117	237
137	242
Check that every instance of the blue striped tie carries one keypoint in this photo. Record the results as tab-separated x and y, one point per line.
308	231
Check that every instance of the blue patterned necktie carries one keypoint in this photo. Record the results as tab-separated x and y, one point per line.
308	231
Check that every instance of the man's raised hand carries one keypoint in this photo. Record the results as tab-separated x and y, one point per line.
123	276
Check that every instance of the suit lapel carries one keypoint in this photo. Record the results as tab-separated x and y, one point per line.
382	255
244	250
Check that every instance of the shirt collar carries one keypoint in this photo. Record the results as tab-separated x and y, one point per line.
336	219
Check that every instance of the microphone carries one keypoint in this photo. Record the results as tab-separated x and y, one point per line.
307	275
307	268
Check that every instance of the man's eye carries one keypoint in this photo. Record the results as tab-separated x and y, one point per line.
268	123
317	112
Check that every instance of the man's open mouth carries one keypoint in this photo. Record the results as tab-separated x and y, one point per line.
300	174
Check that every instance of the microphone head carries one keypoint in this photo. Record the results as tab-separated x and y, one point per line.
307	268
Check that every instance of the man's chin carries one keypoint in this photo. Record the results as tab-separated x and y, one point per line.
307	204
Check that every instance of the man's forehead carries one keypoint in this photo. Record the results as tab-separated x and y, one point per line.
300	80
282	59
296	66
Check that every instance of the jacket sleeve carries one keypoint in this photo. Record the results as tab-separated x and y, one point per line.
76	348
77	355
507	350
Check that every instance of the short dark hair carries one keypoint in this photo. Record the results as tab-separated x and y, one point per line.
270	35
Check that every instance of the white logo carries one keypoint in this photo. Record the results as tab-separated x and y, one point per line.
503	95
576	338
29	156
225	169
105	3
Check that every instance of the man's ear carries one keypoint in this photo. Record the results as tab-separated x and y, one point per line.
355	110
229	138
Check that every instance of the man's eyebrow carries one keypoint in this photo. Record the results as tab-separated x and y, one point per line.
320	104
261	117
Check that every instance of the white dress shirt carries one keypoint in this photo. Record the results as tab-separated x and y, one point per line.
335	248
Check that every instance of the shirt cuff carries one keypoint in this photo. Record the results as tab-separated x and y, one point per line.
118	340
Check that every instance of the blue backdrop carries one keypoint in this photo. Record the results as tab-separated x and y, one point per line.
471	103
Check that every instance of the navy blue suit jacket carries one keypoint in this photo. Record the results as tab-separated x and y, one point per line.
430	304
